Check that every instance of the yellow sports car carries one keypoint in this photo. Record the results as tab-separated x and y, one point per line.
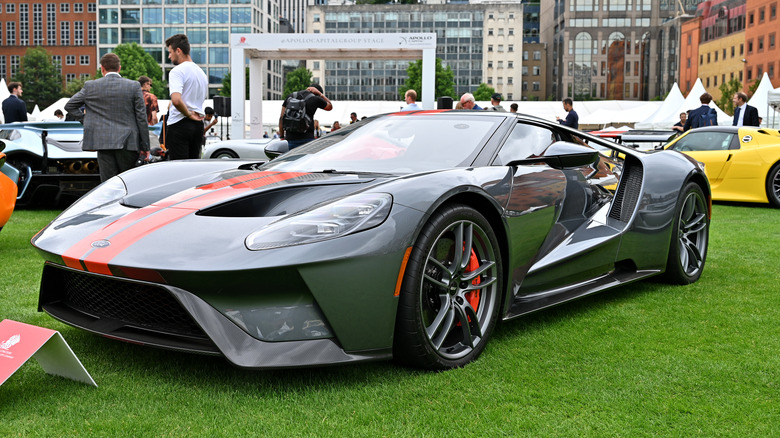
742	163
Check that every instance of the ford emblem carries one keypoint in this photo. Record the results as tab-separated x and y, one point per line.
100	243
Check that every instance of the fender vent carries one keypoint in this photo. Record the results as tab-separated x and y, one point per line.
627	195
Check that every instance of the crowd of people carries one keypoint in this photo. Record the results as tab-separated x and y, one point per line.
116	112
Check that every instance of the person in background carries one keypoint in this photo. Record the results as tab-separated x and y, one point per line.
680	126
572	120
336	126
14	108
114	120
315	99
703	115
189	88
467	101
317	130
744	114
353	118
209	120
150	100
59	115
513	108
410	97
495	101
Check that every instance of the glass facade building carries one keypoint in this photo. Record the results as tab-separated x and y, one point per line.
207	23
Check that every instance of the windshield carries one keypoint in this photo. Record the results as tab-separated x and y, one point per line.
394	144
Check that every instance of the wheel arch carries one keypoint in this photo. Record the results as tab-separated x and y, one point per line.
491	211
228	151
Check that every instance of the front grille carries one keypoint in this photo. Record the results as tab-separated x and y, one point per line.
138	305
627	195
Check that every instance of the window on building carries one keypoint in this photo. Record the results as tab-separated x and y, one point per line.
10	8
70	77
64	33
510	64
65	8
501	48
92	7
78	7
535	86
490	64
772	11
770	71
490	31
761	14
511	31
750	47
70	59
771	41
511	48
57	61
78	33
525	55
537	70
490	47
525	70
84	60
509	81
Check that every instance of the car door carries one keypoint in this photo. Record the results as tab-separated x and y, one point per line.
553	215
713	148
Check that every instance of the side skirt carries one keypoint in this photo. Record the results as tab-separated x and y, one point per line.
523	305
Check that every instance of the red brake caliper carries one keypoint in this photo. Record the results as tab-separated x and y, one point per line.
473	296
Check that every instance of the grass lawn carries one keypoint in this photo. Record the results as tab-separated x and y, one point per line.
647	359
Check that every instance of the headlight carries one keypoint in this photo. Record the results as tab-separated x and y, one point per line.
110	191
340	218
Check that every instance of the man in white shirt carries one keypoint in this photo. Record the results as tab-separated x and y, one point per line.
189	89
410	97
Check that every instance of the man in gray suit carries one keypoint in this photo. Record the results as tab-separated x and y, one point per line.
115	119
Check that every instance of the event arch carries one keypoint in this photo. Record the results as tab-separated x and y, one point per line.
260	47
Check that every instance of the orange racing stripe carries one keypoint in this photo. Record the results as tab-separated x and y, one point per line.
134	226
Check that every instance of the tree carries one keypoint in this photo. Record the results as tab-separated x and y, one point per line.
226	90
136	63
727	91
75	86
296	80
40	78
445	82
484	92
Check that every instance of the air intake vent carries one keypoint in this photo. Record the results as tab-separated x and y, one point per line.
627	195
134	304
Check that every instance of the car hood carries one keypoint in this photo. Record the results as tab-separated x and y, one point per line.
239	191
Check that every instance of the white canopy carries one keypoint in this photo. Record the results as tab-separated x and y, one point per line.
667	114
760	97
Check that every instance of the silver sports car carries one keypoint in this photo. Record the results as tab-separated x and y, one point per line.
409	235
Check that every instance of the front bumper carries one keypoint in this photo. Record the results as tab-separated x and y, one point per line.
168	317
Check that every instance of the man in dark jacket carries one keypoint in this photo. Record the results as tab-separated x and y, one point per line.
703	115
315	99
572	120
744	114
14	108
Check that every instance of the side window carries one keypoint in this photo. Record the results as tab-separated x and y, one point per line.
704	141
525	141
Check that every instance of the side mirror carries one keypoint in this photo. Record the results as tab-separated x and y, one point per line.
276	148
562	155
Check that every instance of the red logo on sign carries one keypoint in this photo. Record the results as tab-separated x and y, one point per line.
243	40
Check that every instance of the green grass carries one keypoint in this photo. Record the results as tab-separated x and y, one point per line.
644	360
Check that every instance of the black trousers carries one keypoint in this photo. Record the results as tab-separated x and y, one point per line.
183	139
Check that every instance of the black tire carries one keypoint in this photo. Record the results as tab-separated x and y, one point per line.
443	320
690	237
773	185
224	154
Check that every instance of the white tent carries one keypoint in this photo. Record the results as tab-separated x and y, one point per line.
690	103
3	95
760	97
667	114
